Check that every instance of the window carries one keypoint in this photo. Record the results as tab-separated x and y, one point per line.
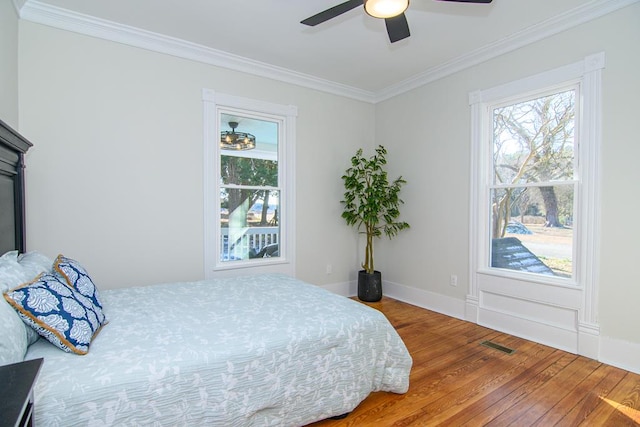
249	188
534	218
248	184
533	183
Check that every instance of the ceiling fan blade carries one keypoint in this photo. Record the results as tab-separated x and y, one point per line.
331	13
397	28
470	1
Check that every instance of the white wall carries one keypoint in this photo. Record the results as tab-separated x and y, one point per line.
437	166
8	64
115	177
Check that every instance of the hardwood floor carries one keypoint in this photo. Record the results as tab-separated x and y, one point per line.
455	381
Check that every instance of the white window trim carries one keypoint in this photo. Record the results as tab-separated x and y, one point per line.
285	263
589	73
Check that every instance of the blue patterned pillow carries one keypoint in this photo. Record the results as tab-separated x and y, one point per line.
78	278
57	312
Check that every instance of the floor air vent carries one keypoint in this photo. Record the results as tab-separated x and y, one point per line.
497	347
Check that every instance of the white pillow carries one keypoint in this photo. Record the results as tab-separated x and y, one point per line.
18	269
12	274
13	341
34	263
14	333
11	256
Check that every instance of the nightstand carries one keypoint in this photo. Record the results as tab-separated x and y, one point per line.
16	397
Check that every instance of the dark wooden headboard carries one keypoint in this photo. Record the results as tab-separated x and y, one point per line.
12	225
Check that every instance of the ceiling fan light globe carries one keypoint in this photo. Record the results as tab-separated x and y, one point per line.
385	8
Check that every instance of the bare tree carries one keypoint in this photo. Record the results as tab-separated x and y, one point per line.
523	202
533	143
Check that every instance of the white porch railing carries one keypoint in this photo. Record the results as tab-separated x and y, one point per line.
250	237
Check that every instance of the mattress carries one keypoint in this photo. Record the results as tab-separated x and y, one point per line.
265	350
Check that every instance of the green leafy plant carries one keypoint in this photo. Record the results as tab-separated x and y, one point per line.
371	203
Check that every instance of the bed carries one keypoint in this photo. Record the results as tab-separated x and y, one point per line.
262	350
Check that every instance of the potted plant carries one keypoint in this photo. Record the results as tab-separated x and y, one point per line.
372	205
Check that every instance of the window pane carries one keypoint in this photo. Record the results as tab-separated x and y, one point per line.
534	140
249	151
532	229
249	214
248	171
250	226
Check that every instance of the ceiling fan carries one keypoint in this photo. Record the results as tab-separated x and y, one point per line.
392	11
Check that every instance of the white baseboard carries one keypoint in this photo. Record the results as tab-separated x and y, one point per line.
346	289
555	336
621	354
430	300
423	299
589	340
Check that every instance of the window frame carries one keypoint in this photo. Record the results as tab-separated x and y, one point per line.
214	105
583	296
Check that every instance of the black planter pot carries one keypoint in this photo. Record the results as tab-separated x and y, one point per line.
369	286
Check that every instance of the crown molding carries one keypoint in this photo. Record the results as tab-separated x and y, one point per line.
572	18
17	4
65	19
42	13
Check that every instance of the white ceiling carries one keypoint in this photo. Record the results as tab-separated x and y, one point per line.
351	53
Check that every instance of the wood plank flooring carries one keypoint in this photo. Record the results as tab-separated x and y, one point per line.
455	381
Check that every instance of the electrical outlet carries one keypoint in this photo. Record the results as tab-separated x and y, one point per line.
453	280
329	269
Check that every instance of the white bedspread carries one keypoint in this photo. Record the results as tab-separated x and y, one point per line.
263	350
